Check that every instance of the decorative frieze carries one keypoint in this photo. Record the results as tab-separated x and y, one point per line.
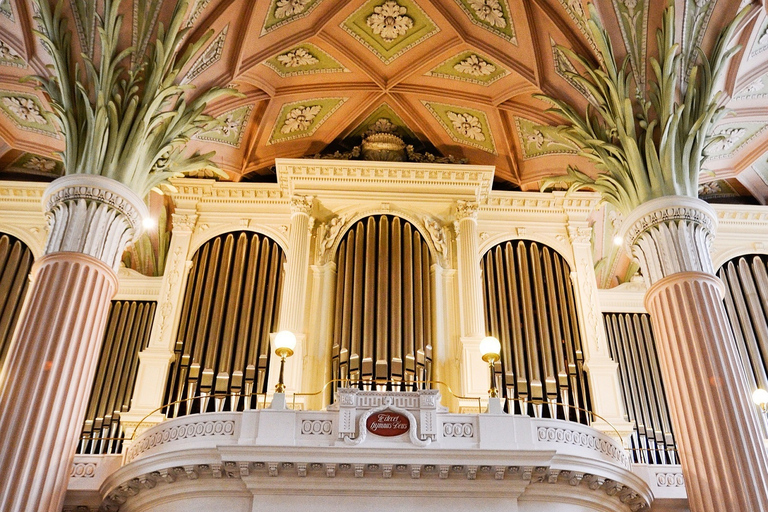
169	434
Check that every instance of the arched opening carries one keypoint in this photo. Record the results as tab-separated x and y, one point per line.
530	308
382	327
230	307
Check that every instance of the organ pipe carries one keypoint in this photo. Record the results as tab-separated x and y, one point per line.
230	307
15	265
127	333
529	307
382	322
746	303
630	340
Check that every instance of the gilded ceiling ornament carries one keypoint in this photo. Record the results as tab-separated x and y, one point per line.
230	125
296	58
490	12
474	65
300	118
25	109
382	125
288	8
40	164
467	125
389	21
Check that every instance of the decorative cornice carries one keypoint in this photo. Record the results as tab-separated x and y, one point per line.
92	215
671	234
317	176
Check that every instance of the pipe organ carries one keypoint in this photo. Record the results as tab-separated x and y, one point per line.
630	340
530	308
128	326
382	326
230	307
15	264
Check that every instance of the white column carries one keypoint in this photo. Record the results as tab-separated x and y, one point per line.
602	370
724	461
316	369
292	302
47	378
475	378
154	361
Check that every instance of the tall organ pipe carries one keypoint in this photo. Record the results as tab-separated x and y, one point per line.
230	307
128	326
382	321
15	265
529	307
630	340
746	302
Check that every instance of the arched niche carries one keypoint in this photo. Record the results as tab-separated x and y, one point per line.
231	305
530	306
382	324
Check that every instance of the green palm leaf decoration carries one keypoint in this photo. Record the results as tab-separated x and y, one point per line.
123	114
646	144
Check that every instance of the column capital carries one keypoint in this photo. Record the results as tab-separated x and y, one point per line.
671	234
93	215
579	234
184	223
301	204
466	210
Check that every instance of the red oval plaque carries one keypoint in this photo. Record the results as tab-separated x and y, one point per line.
387	423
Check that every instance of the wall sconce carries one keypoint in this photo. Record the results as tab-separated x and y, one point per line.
284	343
490	349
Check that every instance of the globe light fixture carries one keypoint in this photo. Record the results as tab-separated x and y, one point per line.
760	397
284	343
490	348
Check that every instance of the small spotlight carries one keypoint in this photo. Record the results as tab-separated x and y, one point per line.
618	240
149	223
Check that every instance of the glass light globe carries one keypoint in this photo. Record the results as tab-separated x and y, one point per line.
285	340
490	346
760	397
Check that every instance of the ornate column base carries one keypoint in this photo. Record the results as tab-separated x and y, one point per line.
724	461
47	379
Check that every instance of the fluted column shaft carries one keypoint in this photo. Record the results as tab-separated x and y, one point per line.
724	461
296	266
470	286
48	374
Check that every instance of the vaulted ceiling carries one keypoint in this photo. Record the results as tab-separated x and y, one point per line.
451	77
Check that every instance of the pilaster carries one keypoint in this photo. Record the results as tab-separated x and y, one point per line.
602	371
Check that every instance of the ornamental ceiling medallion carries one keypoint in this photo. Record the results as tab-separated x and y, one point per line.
38	164
6	10
209	57
27	113
492	15
464	125
282	12
383	120
300	119
304	59
389	28
735	136
757	88
469	66
10	57
538	140
761	41
231	129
